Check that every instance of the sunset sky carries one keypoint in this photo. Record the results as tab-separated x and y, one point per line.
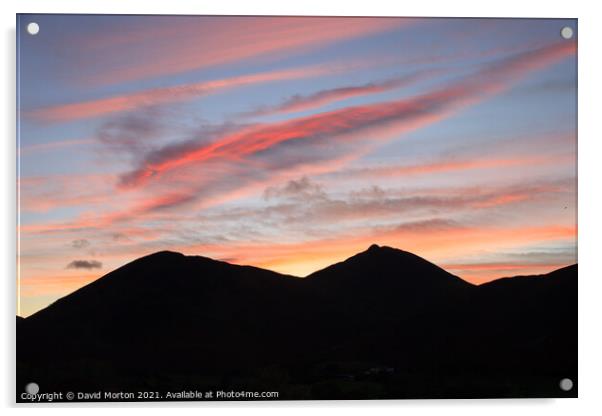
292	143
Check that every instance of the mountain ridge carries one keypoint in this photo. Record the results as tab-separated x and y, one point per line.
373	249
166	317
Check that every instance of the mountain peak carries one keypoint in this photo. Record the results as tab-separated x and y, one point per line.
165	253
373	247
383	266
163	256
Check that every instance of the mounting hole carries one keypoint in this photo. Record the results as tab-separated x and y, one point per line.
33	28
566	384
566	32
32	388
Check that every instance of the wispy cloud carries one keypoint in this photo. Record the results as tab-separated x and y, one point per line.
46	193
382	139
160	96
80	243
302	188
25	150
435	239
219	170
84	264
305	201
131	134
307	102
381	121
449	164
159	47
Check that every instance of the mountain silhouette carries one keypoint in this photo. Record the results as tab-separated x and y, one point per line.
384	323
386	267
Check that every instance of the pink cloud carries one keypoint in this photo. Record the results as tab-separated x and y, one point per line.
381	121
159	49
45	193
324	97
158	96
40	147
451	165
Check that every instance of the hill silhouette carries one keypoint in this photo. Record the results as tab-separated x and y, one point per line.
384	323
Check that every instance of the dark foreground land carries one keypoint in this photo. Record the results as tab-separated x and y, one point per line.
384	324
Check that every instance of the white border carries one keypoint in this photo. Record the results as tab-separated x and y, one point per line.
590	207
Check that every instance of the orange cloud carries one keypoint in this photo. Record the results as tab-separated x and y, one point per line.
479	273
500	266
436	240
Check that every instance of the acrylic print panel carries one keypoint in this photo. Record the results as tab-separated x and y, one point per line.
291	208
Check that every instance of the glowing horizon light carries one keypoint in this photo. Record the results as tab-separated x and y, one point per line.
293	143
